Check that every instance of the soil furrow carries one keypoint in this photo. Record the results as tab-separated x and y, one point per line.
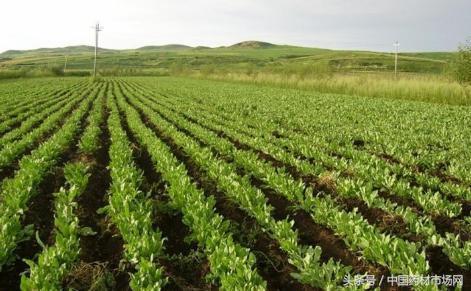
184	263
101	253
387	222
9	171
265	249
40	213
348	258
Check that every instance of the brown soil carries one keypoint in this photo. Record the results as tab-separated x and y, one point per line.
441	265
439	172
371	214
312	233
185	270
445	224
442	223
40	214
100	253
388	158
358	143
332	246
465	209
272	263
8	171
444	177
266	250
404	201
17	123
387	222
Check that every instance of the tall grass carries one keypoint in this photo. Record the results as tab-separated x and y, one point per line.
427	88
31	73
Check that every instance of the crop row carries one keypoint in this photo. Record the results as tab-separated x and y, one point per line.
29	101
13	149
345	187
384	125
131	211
379	247
21	114
55	261
230	263
35	117
335	187
239	189
18	190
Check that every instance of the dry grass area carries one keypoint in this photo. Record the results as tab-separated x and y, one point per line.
418	87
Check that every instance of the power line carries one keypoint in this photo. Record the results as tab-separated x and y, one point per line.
98	28
396	45
65	64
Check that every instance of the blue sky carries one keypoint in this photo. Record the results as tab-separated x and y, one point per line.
419	25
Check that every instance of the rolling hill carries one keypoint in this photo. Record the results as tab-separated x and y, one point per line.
167	47
79	49
244	56
253	44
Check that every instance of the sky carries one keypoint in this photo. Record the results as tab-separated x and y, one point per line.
419	25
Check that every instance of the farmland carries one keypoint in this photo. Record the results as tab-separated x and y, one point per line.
145	183
425	76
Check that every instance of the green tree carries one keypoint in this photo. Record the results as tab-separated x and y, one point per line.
462	65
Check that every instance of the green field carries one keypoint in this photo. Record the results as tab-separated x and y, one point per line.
184	183
240	57
422	76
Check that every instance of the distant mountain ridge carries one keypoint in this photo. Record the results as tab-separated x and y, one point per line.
252	44
165	47
61	50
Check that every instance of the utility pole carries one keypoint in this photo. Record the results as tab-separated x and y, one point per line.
65	64
97	30
396	45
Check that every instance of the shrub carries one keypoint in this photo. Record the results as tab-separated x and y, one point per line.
462	64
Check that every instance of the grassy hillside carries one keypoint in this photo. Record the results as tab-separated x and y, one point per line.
242	57
422	75
44	52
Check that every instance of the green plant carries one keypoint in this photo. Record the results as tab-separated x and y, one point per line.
462	64
55	261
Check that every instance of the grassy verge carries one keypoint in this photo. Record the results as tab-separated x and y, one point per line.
418	87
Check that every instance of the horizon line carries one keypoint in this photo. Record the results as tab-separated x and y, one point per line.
225	46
